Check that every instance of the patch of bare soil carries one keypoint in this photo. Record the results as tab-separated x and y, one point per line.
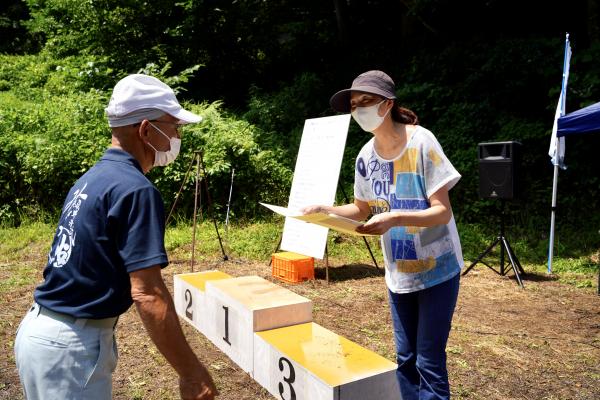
542	342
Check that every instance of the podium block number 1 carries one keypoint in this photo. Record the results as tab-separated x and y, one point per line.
189	312
226	337
238	307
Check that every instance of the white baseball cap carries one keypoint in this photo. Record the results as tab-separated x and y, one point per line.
137	97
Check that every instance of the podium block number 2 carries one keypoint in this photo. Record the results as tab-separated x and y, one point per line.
190	298
189	312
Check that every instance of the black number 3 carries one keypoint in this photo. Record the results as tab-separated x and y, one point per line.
188	297
289	380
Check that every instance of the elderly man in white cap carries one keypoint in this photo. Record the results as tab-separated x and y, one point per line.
107	254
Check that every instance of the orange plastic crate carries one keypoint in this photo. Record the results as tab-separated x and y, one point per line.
292	267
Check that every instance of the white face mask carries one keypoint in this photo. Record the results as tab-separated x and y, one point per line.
368	117
162	158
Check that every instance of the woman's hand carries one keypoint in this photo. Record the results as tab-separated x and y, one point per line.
379	224
313	209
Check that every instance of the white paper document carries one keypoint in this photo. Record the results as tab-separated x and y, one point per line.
332	221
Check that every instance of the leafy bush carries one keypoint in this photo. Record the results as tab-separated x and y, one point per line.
476	92
24	74
224	143
53	128
46	145
281	114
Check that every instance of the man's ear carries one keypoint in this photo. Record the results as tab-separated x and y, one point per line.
142	130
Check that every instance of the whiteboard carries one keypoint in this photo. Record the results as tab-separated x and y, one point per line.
315	181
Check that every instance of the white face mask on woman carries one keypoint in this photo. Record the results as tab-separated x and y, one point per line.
162	158
368	117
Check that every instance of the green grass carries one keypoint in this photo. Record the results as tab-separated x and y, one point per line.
15	241
16	276
257	241
575	252
22	249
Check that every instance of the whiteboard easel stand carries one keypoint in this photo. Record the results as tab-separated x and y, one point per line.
326	265
364	237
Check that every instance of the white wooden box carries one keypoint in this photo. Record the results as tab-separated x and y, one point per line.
238	307
309	362
190	298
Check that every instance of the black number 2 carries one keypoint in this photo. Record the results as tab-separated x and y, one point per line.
188	310
289	380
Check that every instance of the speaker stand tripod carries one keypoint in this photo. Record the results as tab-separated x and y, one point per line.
504	246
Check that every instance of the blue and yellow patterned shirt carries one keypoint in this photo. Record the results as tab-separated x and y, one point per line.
415	258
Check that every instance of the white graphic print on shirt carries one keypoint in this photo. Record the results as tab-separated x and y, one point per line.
65	235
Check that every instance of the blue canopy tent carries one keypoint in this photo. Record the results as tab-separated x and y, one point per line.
585	120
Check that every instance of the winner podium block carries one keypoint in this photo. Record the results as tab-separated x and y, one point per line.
190	298
309	362
238	307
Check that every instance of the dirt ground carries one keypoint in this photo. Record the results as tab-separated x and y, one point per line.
542	342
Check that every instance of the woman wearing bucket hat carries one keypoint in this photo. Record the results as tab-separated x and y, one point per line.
402	179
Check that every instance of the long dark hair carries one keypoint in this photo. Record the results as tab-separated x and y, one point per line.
403	115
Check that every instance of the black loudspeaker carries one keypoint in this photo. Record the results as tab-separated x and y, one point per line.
498	169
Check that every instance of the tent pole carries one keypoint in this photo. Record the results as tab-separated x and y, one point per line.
553	211
557	160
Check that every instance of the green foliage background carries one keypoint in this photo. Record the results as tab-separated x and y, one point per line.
257	69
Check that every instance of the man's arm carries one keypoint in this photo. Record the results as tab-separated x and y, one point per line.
157	311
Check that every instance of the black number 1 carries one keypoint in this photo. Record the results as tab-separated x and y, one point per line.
226	338
188	310
289	380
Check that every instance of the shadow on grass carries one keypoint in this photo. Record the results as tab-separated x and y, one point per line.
526	277
538	277
349	272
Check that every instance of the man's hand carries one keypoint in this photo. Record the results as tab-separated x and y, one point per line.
156	309
198	386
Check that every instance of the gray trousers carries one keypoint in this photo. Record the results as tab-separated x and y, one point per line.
61	357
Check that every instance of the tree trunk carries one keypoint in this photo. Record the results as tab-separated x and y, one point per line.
341	12
593	20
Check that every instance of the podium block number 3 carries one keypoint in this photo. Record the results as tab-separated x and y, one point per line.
287	380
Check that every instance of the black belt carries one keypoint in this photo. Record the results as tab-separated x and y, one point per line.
97	323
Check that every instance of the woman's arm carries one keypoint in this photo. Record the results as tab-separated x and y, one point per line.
438	213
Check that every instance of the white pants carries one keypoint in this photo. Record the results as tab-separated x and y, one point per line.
60	357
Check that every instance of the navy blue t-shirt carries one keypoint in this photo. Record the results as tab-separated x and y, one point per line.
112	223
